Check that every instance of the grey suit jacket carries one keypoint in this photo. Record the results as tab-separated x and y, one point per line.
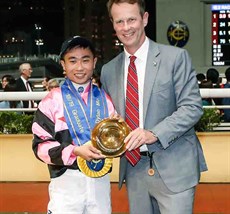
172	106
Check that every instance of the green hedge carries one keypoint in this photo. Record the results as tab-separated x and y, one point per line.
14	123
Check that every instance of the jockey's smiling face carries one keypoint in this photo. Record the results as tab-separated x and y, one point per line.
79	63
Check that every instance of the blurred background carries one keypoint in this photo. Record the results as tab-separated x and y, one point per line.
33	30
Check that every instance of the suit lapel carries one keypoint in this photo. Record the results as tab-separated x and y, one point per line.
153	62
119	78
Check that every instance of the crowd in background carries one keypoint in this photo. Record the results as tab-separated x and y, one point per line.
212	79
10	84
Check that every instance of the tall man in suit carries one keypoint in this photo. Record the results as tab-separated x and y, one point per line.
23	84
165	177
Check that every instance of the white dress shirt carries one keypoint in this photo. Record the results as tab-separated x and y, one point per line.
140	62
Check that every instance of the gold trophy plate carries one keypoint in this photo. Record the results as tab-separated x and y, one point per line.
108	136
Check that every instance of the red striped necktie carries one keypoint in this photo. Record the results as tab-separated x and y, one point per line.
132	108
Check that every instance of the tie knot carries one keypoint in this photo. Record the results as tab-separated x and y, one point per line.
132	58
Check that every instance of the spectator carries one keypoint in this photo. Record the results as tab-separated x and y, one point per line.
7	79
9	87
9	84
23	84
220	82
45	83
213	75
200	77
206	84
226	101
52	83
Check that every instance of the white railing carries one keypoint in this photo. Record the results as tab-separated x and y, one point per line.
7	96
205	93
17	96
215	92
22	95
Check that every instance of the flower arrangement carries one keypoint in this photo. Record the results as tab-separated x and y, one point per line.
210	119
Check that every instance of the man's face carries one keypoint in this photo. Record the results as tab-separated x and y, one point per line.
129	25
79	64
27	71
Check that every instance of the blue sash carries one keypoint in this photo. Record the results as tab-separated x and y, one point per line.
81	117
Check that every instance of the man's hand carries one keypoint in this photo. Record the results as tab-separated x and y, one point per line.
138	137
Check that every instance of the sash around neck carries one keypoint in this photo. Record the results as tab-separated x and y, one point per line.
81	117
